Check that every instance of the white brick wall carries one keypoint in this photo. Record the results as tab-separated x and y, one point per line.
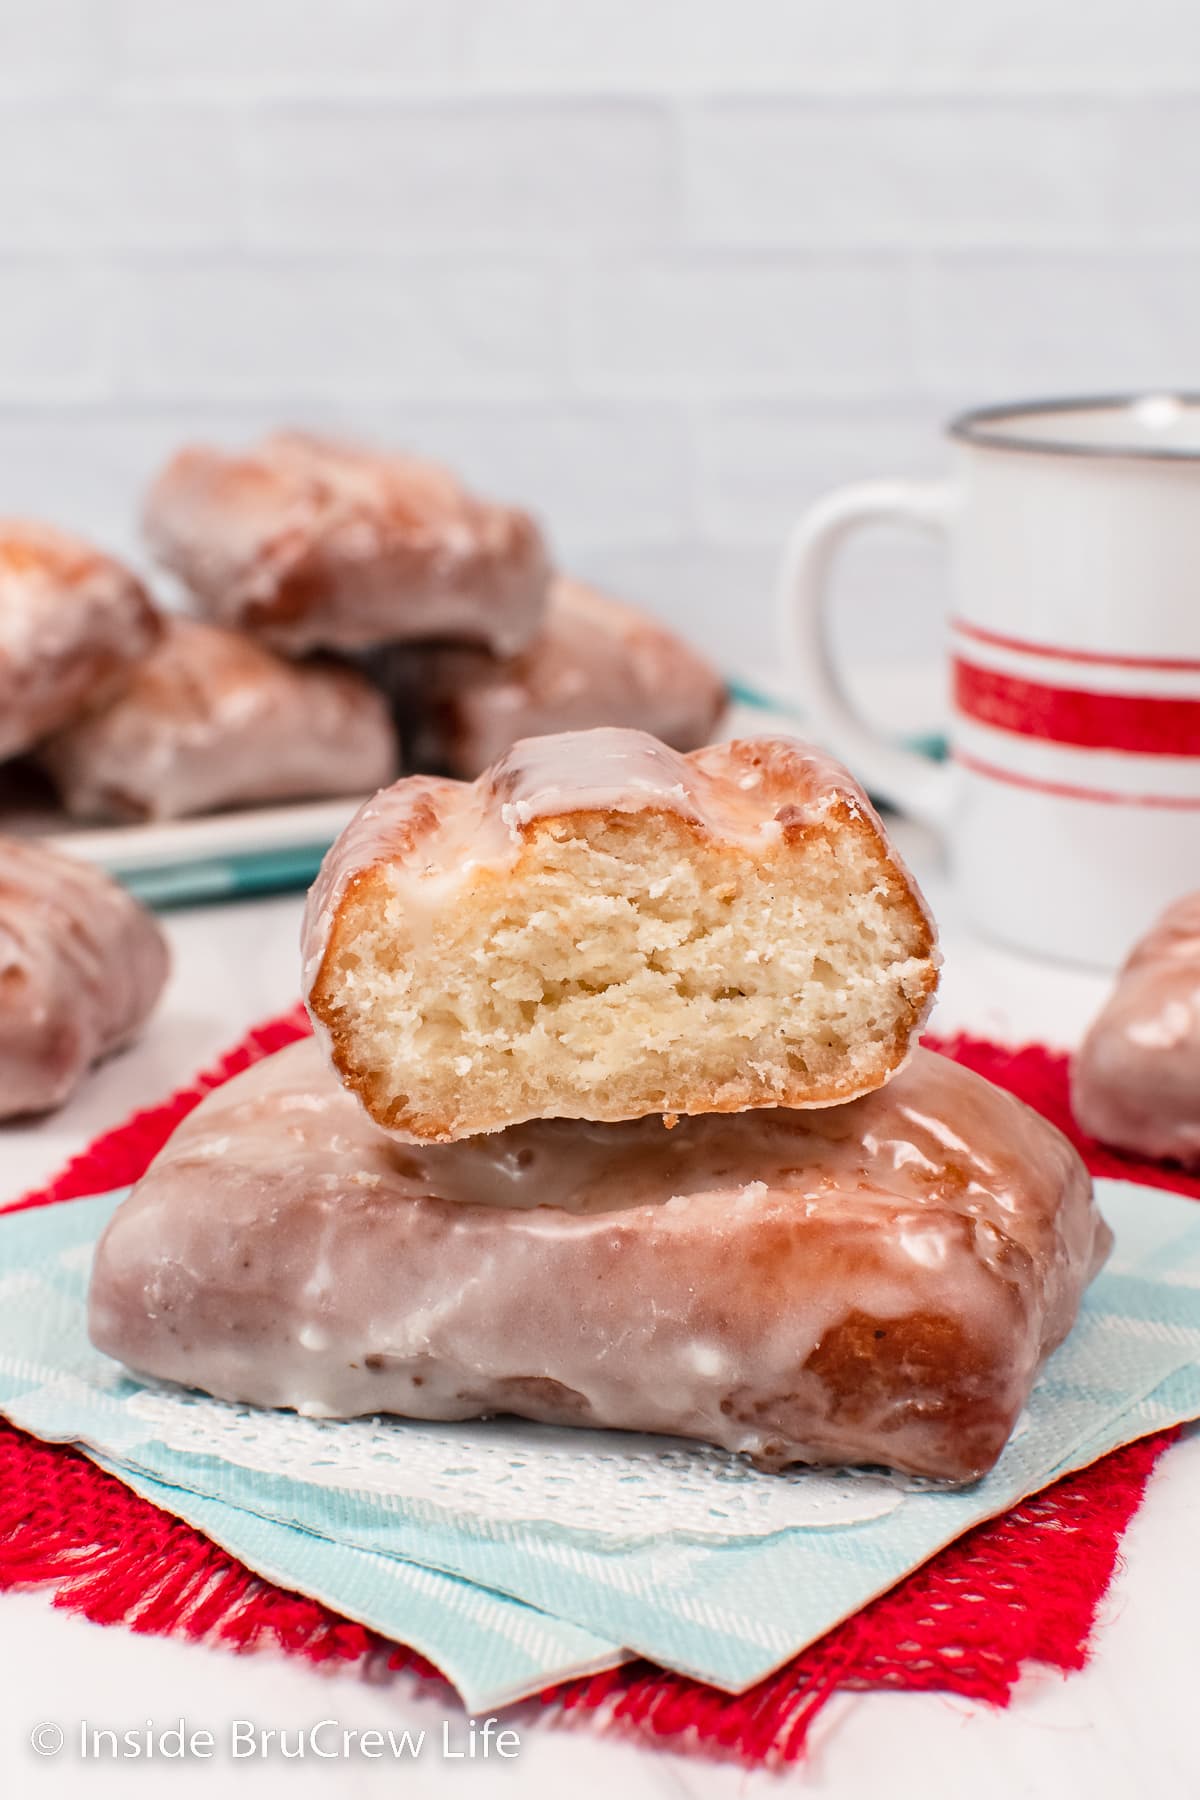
662	269
541	176
298	328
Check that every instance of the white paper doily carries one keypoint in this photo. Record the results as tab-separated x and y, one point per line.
621	1487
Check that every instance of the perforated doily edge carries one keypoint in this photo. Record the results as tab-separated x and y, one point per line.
426	1512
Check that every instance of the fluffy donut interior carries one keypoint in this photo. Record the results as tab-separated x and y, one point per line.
620	970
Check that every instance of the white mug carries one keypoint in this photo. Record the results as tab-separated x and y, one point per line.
1071	801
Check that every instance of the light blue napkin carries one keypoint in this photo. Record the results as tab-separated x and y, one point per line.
492	1649
726	1613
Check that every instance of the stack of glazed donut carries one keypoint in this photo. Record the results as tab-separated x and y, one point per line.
348	612
136	714
614	1117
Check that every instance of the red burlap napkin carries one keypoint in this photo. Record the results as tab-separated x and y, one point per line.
1021	1588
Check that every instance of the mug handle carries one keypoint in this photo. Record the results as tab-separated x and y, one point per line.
909	781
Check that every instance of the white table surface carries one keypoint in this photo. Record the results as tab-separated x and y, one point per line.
1124	1725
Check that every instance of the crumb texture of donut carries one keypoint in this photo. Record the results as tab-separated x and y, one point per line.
739	935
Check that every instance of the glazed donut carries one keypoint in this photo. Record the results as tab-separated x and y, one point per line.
878	1282
601	928
72	624
81	967
595	662
310	544
212	719
1136	1081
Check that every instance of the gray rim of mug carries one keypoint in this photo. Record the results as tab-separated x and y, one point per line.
972	427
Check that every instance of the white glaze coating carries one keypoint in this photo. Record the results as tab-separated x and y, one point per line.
72	624
81	966
1136	1079
871	1282
314	544
211	719
595	662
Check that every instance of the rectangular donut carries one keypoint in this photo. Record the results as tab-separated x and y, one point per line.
1135	1083
877	1282
602	928
595	662
309	543
212	719
82	966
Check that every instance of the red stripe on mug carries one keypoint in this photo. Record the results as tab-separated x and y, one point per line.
1062	790
1142	724
1109	659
